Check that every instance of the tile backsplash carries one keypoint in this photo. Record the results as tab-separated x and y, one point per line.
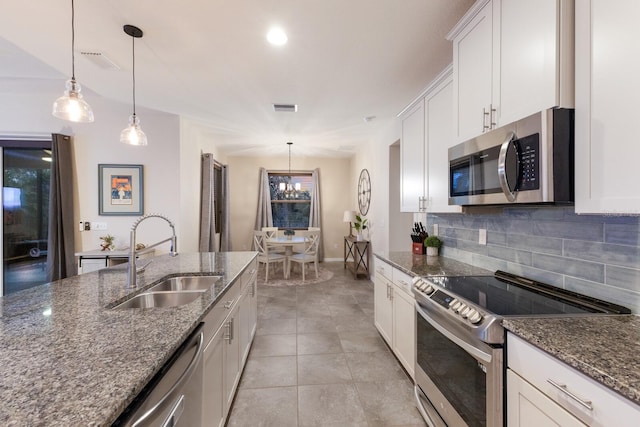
594	255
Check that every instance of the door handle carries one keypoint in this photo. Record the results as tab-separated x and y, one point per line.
502	167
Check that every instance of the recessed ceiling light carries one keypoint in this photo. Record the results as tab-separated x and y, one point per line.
369	119
277	37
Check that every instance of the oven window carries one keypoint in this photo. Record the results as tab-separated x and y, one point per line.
458	376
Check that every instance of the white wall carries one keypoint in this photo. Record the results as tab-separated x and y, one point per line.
27	110
376	159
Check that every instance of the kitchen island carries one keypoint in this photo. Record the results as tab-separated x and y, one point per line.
68	358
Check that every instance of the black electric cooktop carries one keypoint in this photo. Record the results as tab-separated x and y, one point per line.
505	294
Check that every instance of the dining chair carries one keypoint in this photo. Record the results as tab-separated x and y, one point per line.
272	232
310	253
264	255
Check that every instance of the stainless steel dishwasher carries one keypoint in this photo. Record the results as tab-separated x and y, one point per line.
174	396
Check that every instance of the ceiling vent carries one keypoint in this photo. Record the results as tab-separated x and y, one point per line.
101	60
285	108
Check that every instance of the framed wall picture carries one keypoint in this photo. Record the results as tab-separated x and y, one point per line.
121	190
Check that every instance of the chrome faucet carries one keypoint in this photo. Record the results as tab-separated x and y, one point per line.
131	267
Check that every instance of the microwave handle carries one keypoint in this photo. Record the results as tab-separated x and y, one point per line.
502	166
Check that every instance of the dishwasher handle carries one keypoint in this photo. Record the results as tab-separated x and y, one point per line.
196	340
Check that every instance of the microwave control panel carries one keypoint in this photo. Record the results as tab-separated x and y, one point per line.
529	156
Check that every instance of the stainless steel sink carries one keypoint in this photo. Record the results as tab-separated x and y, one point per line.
160	299
186	283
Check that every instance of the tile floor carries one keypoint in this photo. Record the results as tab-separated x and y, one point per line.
318	360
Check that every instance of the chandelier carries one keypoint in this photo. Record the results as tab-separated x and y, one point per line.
287	189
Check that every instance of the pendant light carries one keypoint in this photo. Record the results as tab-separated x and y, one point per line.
287	189
133	134
71	106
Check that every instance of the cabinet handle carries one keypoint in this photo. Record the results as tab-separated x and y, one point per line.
390	293
229	336
563	388
492	124
387	291
485	115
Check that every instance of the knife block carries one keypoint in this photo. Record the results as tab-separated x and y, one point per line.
418	248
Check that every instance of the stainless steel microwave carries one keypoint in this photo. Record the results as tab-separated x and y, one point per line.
528	161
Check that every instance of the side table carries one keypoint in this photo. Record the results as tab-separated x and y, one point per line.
356	256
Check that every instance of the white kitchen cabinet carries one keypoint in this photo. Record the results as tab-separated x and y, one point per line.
411	158
473	72
247	315
607	93
383	317
213	408
575	399
232	367
511	59
404	328
229	328
528	407
536	66
394	308
425	175
438	138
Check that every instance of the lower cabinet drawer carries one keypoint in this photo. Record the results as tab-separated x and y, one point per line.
403	280
590	402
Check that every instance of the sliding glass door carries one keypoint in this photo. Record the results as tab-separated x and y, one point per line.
26	167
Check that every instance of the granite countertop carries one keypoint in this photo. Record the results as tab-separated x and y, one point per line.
605	348
422	265
68	359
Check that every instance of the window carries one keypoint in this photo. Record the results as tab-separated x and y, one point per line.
290	199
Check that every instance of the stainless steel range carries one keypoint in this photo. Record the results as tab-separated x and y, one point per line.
460	340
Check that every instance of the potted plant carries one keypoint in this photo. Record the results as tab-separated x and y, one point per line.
107	243
360	225
433	244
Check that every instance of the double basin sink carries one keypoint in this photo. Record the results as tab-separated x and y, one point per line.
171	292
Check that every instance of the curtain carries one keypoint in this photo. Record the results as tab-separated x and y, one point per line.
263	215
209	201
315	217
207	211
225	244
61	262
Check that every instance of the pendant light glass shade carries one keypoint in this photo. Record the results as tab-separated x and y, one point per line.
133	134
71	106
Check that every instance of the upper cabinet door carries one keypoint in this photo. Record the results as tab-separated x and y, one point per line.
511	59
473	74
536	57
607	94
411	159
438	139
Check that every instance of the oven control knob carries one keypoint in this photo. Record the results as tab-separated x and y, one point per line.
475	317
428	289
465	311
461	307
454	304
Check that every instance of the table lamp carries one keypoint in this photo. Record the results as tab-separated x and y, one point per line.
350	217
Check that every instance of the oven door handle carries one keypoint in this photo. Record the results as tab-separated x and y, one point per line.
426	409
469	348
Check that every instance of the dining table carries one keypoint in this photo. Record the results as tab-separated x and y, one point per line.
286	242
